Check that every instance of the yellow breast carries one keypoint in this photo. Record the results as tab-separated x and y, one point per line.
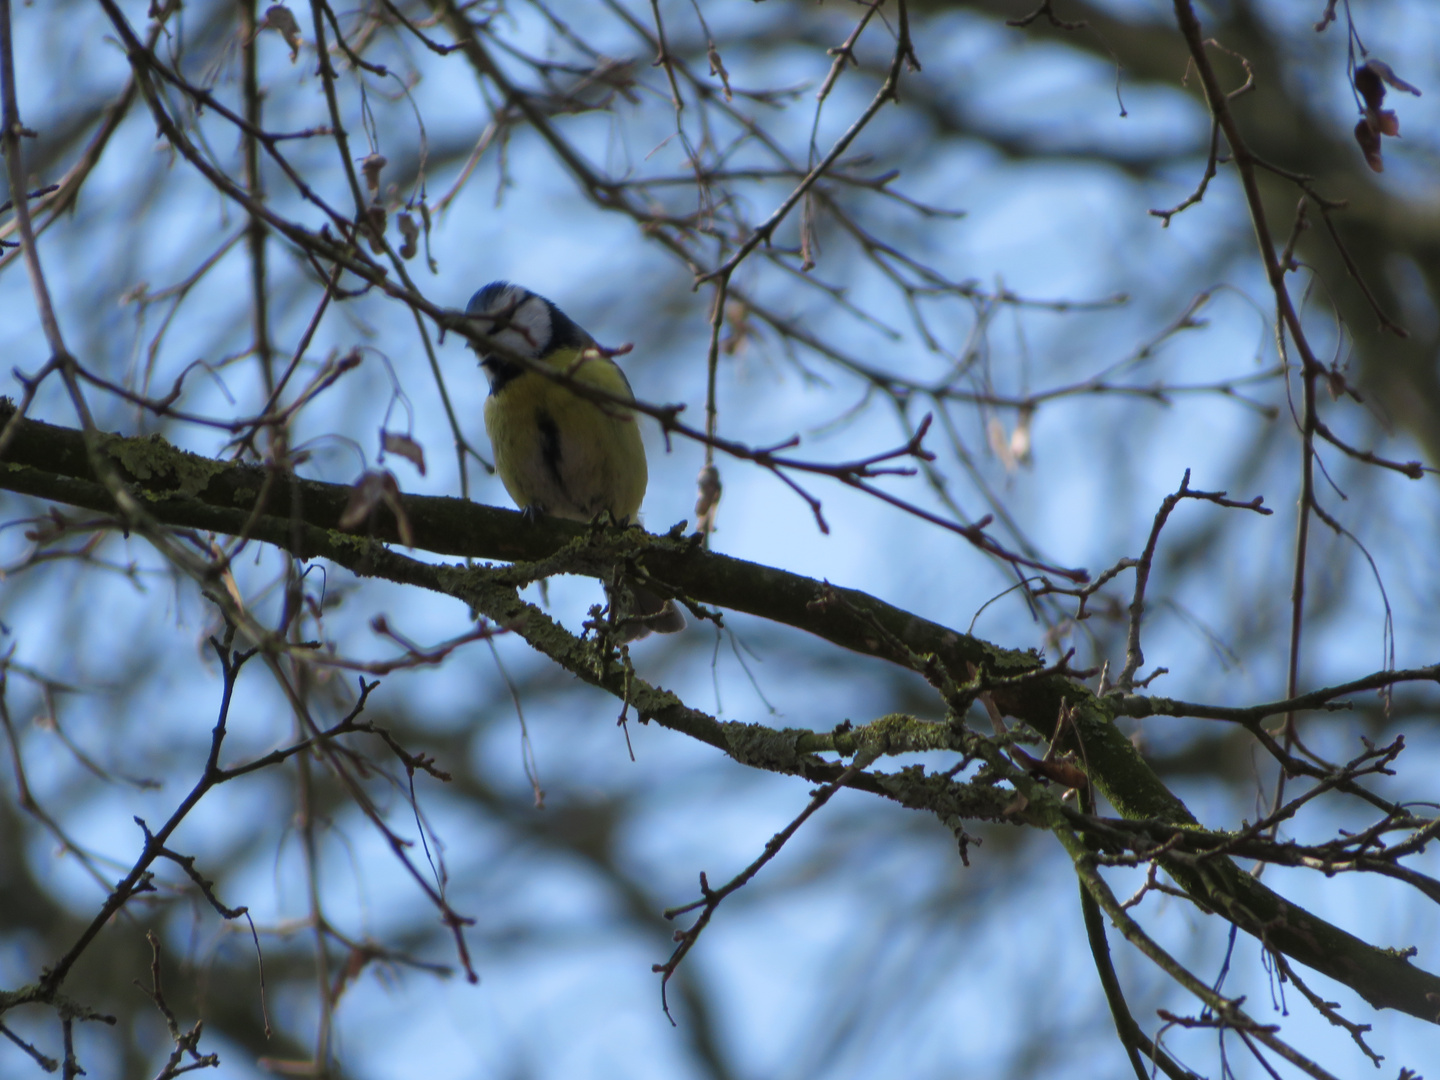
562	454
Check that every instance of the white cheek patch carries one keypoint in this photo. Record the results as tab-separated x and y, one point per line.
524	328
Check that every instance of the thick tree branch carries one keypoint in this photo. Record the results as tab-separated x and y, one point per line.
301	516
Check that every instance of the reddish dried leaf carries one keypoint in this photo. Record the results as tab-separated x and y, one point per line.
392	442
372	489
1369	140
365	496
397	507
1369	86
1379	67
411	234
280	19
1065	773
372	165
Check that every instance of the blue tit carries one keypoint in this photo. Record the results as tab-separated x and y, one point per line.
559	453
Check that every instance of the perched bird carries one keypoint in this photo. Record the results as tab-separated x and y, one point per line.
559	453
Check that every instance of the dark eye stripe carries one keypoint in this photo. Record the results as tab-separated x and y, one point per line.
565	333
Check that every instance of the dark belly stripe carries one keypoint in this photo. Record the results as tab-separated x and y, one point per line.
550	447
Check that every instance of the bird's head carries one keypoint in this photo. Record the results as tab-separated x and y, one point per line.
523	322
